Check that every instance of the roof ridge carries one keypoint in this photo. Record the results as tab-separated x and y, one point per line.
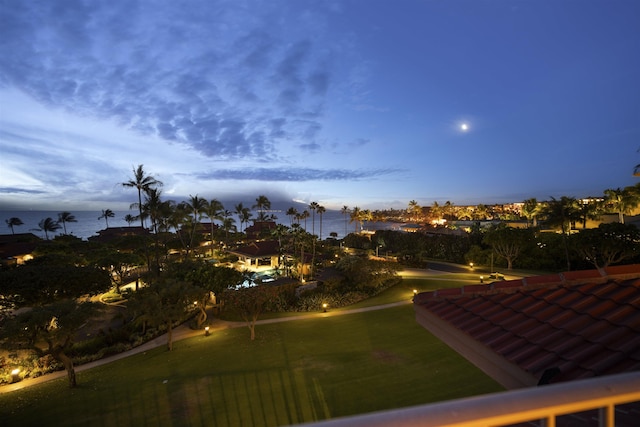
570	278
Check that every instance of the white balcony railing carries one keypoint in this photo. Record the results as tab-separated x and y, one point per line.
538	405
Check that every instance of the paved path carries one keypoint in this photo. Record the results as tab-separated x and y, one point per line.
183	332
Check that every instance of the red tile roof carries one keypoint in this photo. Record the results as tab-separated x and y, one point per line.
585	324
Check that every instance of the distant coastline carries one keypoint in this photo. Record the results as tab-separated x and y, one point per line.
88	224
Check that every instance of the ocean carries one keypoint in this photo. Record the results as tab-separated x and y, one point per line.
88	224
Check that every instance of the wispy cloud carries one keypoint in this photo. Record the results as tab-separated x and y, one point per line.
186	72
296	174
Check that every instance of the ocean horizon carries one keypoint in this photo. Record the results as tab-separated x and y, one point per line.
87	223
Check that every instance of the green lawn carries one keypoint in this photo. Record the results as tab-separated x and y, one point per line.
294	372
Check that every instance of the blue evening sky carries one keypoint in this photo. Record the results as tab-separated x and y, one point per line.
349	102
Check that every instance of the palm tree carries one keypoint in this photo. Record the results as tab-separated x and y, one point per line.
304	215
245	216
313	206
414	209
106	214
589	209
214	211
623	201
530	210
366	215
291	213
239	209
345	211
228	223
262	204
448	210
64	217
130	219
355	216
436	211
48	225
562	213
13	222
142	183
321	209
195	209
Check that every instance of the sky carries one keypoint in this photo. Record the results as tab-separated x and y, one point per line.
368	103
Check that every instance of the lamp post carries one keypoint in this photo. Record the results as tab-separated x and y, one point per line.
206	331
324	307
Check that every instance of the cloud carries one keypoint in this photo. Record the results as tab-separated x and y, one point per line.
296	174
16	190
207	78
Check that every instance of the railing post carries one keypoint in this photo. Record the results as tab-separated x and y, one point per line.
606	416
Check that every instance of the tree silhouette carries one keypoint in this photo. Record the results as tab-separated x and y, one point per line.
13	222
64	218
142	182
106	214
48	225
345	211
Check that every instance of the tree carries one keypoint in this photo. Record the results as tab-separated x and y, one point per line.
228	224
130	219
623	201
163	304
37	284
321	210
414	210
64	218
561	214
13	222
214	211
356	215
291	213
589	209
448	210
119	264
142	182
508	242
244	214
313	206
530	210
195	209
49	330
367	274
48	225
345	211
250	303
608	244
106	214
208	279
262	204
303	216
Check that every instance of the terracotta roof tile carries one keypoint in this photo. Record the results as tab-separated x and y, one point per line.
584	329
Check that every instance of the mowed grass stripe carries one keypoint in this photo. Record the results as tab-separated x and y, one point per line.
343	365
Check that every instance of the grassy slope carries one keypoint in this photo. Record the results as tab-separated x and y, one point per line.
294	372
